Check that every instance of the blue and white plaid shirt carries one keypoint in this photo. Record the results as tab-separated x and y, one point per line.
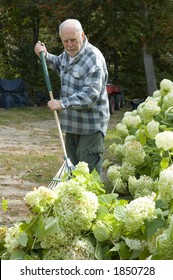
83	95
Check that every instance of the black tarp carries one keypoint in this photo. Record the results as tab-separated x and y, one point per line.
13	93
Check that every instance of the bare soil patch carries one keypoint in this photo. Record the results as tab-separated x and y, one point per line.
34	137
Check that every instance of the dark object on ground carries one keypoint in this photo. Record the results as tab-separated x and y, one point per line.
13	93
135	103
43	97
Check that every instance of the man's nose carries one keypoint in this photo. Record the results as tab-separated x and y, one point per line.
69	43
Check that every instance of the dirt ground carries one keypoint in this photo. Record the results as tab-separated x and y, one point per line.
13	188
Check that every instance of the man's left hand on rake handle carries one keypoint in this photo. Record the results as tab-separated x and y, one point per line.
52	104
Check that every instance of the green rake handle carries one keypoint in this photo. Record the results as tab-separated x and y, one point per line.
49	87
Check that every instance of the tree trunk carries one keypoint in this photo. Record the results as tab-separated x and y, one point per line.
148	60
149	71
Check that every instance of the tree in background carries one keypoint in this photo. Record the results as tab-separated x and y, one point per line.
129	33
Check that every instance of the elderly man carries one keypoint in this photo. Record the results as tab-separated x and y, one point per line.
83	105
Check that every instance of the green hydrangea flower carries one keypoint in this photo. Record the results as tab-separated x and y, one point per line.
134	153
75	207
143	186
39	200
79	248
11	239
114	175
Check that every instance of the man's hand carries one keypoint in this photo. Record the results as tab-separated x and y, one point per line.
54	105
40	47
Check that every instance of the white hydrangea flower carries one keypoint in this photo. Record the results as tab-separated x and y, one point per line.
40	199
139	210
152	129
148	109
165	185
122	130
164	140
130	138
167	101
131	120
166	86
82	166
11	239
156	94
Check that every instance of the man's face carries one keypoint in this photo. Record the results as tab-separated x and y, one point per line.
71	40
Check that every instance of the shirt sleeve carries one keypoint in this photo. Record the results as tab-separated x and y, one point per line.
53	62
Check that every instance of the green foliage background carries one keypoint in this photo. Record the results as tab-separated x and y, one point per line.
117	27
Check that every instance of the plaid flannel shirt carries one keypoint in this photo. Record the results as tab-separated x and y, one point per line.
83	95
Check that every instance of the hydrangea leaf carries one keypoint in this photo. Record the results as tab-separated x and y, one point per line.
101	212
23	239
153	225
40	229
52	227
17	255
164	163
119	212
107	198
101	251
101	233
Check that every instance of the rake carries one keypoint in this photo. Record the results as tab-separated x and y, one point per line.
67	166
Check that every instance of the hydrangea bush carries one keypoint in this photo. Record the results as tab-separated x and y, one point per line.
78	220
144	144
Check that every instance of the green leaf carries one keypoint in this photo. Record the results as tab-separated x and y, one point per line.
119	212
17	255
124	251
40	229
107	198
142	137
4	204
52	227
153	225
23	239
171	207
164	163
102	212
101	233
101	252
115	248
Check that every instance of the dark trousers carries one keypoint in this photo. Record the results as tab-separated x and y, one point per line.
87	148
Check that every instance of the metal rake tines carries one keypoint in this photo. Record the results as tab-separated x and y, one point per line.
66	169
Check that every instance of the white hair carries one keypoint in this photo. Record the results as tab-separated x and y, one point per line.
71	22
